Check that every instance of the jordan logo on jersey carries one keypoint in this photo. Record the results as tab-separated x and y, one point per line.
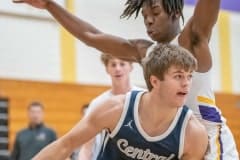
129	124
138	153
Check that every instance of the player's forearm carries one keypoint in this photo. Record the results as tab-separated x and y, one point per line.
70	22
57	150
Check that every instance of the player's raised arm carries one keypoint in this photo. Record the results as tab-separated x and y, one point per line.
197	32
205	16
87	33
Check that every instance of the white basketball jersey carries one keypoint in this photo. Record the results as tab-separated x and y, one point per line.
201	99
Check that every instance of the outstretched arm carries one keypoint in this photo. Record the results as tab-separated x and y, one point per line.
87	33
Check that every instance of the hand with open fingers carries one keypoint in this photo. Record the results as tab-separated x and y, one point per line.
35	3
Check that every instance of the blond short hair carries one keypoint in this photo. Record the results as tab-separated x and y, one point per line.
162	57
105	58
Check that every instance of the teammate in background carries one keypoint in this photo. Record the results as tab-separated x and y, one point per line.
119	72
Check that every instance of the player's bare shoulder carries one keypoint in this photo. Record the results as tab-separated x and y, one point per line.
196	139
195	127
108	113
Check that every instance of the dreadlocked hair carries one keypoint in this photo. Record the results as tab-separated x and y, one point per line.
131	7
172	7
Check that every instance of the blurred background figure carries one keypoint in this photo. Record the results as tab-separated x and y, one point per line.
119	72
29	141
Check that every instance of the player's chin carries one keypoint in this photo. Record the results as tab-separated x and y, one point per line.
180	101
153	37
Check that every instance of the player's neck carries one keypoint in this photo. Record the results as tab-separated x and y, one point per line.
171	36
121	88
155	118
159	105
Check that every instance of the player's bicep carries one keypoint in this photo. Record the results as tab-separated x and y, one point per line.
94	123
80	133
86	128
202	22
195	148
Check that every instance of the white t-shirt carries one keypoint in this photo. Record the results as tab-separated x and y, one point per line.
95	102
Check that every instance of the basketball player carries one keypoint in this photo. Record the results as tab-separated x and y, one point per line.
162	21
119	72
144	125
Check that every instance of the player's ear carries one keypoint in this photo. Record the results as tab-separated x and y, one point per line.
154	81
